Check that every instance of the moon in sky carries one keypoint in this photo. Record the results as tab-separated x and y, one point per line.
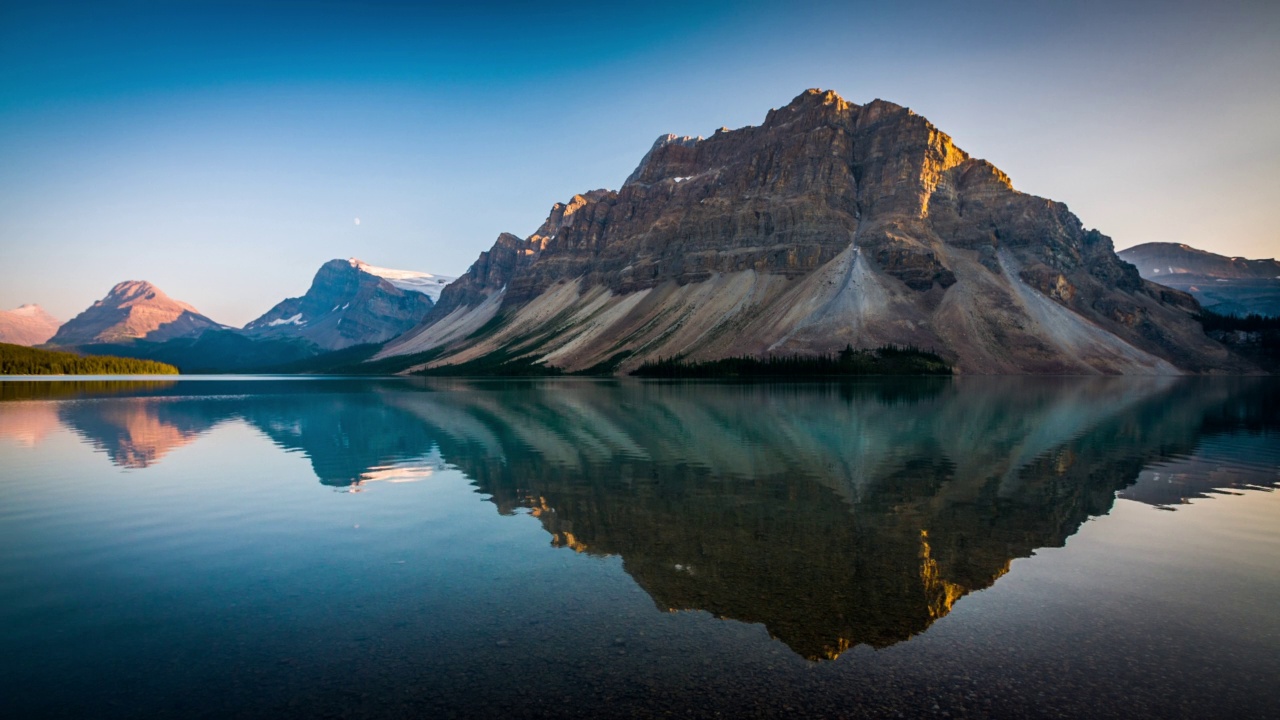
357	221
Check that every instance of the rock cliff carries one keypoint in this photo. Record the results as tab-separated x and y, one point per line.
830	223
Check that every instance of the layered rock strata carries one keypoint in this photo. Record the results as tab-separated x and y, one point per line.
829	224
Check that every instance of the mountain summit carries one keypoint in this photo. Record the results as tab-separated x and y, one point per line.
352	303
27	325
830	223
133	310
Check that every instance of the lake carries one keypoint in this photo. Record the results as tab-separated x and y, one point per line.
967	547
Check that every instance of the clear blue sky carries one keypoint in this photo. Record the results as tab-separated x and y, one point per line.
223	150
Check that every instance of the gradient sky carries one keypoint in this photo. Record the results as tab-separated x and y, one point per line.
223	150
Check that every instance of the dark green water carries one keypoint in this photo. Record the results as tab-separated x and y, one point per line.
979	547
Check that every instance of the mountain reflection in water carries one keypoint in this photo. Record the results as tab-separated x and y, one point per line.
833	514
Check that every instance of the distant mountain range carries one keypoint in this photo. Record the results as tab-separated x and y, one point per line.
829	225
1225	285
27	325
349	303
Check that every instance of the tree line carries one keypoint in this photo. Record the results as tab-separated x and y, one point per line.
886	360
20	360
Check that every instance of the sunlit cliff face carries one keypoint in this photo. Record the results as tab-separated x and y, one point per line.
828	224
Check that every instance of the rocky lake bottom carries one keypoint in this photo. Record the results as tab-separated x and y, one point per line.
938	547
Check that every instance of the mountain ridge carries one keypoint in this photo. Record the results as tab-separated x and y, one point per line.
132	310
349	309
1227	285
831	223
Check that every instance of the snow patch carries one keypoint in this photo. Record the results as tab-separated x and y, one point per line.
295	320
410	280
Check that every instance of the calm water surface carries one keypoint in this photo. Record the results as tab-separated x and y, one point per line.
381	548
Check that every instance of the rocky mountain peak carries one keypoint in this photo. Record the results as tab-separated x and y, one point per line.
829	223
815	99
562	214
133	310
673	139
815	107
133	290
666	147
141	292
351	302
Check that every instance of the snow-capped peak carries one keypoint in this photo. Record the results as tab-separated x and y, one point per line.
411	280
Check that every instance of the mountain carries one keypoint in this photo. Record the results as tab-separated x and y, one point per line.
350	307
830	223
352	303
27	325
133	310
1225	285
